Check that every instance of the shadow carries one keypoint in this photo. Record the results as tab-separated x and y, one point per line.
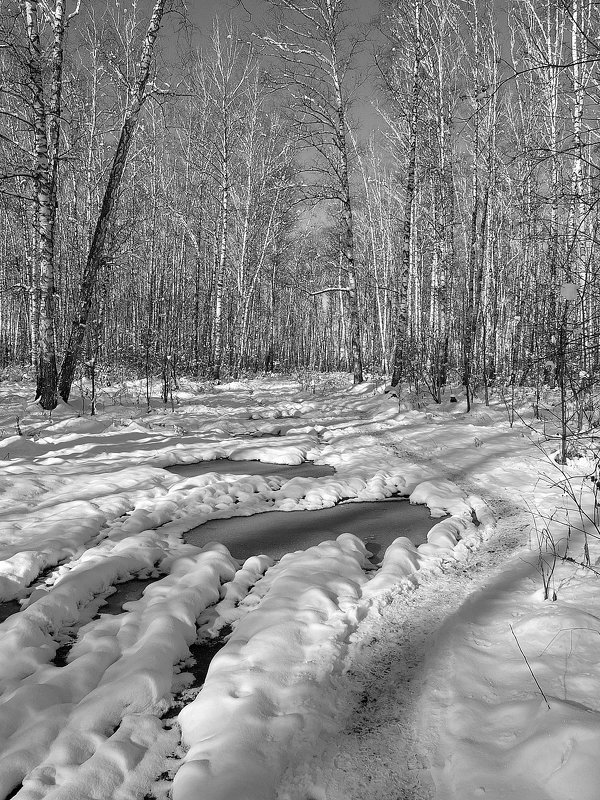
470	459
14	792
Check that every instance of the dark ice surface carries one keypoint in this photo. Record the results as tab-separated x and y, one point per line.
275	533
225	465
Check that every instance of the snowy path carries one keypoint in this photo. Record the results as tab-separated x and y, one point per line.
384	747
440	701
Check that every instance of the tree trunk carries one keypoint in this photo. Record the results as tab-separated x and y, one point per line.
470	315
220	276
402	313
45	211
355	343
348	245
97	252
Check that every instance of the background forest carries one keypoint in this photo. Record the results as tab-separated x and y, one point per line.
417	197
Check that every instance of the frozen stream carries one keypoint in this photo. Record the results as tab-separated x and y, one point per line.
226	465
275	533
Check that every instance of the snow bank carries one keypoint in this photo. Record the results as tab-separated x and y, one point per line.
449	539
101	710
271	688
527	745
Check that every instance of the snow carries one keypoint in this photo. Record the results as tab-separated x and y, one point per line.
527	746
264	691
441	671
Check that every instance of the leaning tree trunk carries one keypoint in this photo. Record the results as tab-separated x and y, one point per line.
97	252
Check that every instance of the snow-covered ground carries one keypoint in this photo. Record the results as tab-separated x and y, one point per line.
439	672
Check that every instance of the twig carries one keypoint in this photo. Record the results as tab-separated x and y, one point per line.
537	683
580	564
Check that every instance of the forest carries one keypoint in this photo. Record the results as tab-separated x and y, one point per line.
416	197
299	383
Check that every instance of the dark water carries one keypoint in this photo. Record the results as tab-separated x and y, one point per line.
275	533
278	532
125	592
8	608
203	652
305	470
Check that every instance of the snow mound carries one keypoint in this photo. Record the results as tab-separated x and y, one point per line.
271	689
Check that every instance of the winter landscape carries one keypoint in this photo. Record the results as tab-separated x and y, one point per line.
299	400
432	671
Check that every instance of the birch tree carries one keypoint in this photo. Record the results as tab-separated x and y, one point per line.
34	104
481	82
317	45
419	68
228	74
407	34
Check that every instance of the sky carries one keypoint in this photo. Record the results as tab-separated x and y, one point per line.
255	14
204	11
252	11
